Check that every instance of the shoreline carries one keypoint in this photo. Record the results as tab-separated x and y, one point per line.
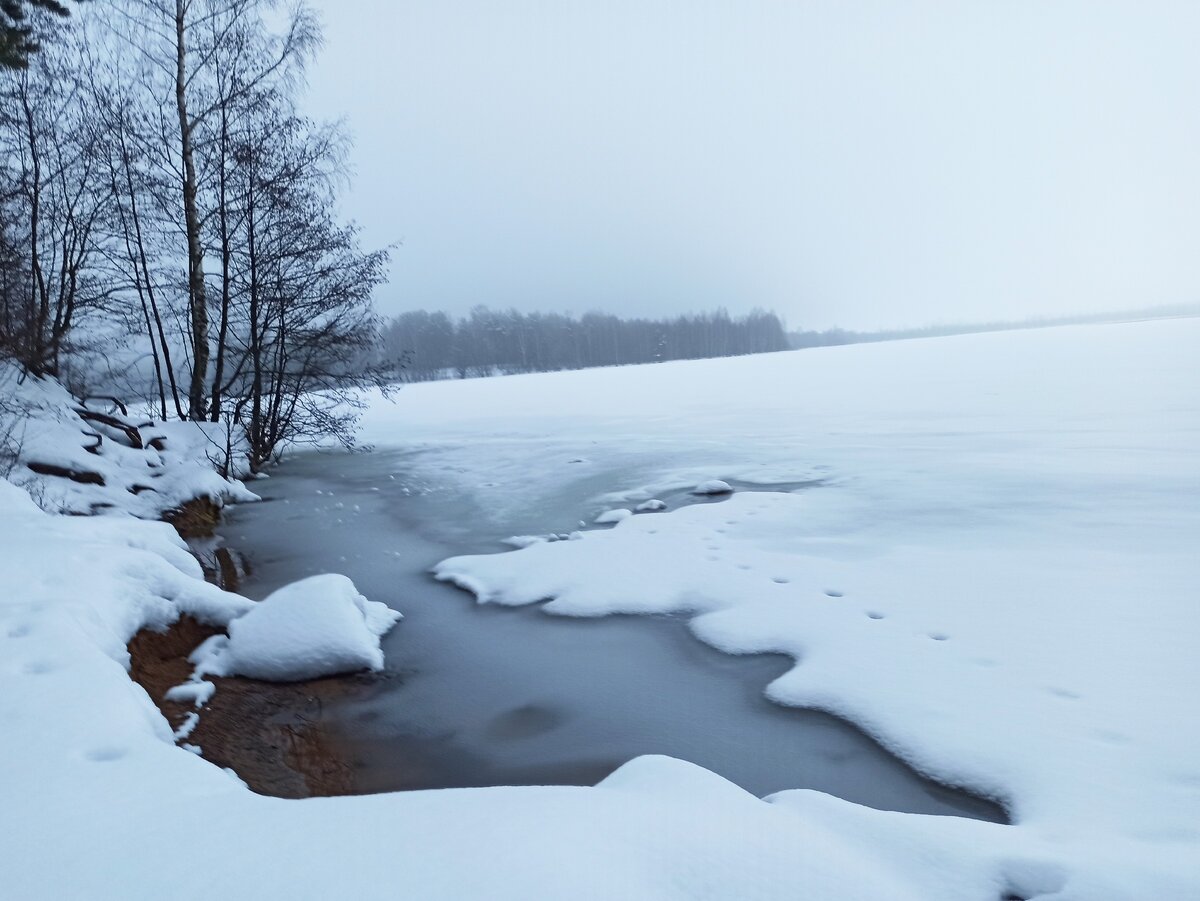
272	735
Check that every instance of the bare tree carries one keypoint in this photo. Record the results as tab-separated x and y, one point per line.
169	183
206	60
304	319
56	202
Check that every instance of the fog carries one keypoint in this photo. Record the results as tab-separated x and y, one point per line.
860	164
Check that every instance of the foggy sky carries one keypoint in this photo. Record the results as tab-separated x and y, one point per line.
862	164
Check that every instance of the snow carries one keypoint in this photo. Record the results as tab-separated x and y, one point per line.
990	566
992	569
713	486
519	541
197	693
319	626
653	505
612	516
175	465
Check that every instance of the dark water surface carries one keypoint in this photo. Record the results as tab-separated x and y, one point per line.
486	695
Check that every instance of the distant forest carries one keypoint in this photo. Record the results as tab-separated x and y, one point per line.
489	342
836	336
501	342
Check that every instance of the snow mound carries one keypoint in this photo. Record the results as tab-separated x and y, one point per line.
650	506
713	486
319	626
520	541
612	516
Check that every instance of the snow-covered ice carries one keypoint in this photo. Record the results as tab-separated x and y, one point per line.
995	574
713	486
993	570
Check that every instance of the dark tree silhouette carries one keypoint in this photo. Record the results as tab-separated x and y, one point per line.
18	36
495	342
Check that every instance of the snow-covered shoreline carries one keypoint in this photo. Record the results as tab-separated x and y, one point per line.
1021	509
118	482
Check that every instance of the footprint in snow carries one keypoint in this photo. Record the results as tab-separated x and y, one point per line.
1064	693
106	755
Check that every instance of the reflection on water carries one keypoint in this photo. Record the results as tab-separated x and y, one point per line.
484	695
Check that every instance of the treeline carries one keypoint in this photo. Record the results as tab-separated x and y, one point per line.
836	336
165	205
499	342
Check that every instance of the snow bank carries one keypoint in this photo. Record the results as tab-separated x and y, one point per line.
319	626
77	458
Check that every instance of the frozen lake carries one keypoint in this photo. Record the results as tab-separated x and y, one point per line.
480	695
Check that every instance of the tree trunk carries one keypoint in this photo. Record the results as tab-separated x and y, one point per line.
226	256
197	400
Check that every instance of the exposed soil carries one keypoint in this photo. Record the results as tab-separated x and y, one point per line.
197	518
270	734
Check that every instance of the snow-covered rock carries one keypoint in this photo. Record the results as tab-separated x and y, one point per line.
520	541
713	486
612	516
319	626
654	505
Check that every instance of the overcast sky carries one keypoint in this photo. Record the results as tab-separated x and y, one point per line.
863	164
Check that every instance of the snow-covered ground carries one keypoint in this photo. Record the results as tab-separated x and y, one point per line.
93	468
993	572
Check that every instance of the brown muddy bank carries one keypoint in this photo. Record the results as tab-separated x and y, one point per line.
271	734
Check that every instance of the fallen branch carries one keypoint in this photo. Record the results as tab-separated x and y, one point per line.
84	477
130	432
114	401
